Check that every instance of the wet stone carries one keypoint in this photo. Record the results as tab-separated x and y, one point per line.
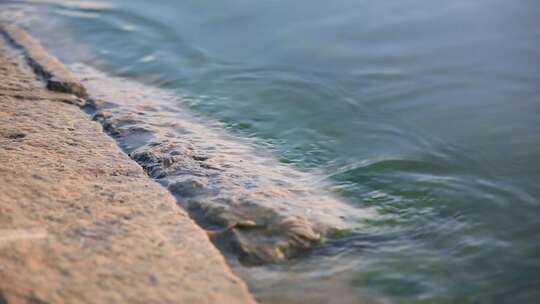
189	187
220	180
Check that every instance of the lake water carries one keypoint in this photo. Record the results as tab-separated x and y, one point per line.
427	111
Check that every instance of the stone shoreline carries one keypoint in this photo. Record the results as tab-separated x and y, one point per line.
259	210
80	222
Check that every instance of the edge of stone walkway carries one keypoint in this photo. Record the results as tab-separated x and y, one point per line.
80	222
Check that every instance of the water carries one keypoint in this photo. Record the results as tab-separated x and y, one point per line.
426	111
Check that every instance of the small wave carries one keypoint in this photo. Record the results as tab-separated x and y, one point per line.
276	212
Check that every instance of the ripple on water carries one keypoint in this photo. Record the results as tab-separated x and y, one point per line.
276	212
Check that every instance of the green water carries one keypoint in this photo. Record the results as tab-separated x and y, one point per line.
428	111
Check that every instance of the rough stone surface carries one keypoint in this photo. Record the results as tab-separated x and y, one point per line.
80	222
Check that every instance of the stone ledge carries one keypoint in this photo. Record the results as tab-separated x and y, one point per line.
57	76
80	222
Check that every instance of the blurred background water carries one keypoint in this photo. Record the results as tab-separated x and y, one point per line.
426	110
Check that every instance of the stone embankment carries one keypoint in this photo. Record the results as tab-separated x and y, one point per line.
80	222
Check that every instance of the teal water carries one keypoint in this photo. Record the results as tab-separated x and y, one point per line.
427	111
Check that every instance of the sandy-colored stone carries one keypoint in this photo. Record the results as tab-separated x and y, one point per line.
80	222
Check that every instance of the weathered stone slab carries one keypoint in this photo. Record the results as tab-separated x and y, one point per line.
80	222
